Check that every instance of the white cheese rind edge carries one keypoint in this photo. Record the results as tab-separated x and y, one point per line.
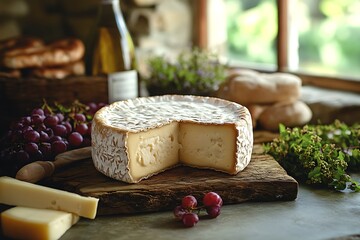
109	152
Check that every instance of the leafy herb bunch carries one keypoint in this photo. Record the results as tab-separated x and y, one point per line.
319	154
196	72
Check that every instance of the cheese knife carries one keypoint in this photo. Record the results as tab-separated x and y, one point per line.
36	171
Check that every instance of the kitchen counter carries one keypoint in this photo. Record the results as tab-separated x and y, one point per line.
315	214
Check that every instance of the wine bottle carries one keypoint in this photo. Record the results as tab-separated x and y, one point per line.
113	53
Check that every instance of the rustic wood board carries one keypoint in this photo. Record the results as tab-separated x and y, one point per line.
262	180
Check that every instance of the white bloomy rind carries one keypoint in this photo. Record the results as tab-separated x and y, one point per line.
113	124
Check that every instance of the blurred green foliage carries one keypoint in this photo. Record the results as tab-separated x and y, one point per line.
197	72
328	32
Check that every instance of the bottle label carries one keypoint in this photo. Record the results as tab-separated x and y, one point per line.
122	85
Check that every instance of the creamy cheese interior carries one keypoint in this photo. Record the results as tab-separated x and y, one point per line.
193	144
208	146
153	151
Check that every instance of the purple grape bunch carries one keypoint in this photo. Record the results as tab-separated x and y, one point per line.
46	132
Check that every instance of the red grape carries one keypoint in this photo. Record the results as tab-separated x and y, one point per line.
92	107
51	121
32	136
60	117
55	138
60	130
212	199
37	119
26	120
44	137
49	132
68	126
38	111
179	211
213	211
58	147
31	148
80	117
26	128
82	128
190	219
75	139
189	202
40	127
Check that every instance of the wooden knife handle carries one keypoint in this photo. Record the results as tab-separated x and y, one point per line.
36	171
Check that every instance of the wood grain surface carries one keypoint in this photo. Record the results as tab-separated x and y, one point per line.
262	180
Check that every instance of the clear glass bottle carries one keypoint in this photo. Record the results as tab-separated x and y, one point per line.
112	52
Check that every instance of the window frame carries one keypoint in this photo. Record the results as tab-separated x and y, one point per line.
323	81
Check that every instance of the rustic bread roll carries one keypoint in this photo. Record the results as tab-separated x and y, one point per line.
291	114
60	72
250	87
20	43
60	52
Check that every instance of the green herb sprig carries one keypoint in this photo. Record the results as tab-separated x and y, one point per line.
196	71
319	154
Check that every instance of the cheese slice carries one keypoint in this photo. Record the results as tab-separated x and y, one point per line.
135	139
19	193
36	224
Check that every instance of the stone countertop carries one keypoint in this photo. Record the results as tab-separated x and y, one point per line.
315	214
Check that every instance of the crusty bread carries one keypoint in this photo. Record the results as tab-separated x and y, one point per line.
291	114
250	87
60	52
59	72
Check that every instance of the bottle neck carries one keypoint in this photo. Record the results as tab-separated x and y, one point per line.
110	14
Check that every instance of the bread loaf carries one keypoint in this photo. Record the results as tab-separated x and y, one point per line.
271	98
60	52
249	87
291	114
59	72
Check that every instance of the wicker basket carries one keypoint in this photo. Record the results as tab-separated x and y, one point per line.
19	96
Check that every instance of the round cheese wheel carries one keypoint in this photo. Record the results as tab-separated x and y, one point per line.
135	139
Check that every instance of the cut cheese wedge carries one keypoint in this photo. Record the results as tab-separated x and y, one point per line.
19	193
137	138
36	224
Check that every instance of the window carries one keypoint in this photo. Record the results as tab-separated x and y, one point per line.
316	39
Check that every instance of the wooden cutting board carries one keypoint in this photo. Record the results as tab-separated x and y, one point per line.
262	180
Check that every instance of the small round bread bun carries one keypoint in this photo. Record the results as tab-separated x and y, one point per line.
250	87
60	72
60	52
291	114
